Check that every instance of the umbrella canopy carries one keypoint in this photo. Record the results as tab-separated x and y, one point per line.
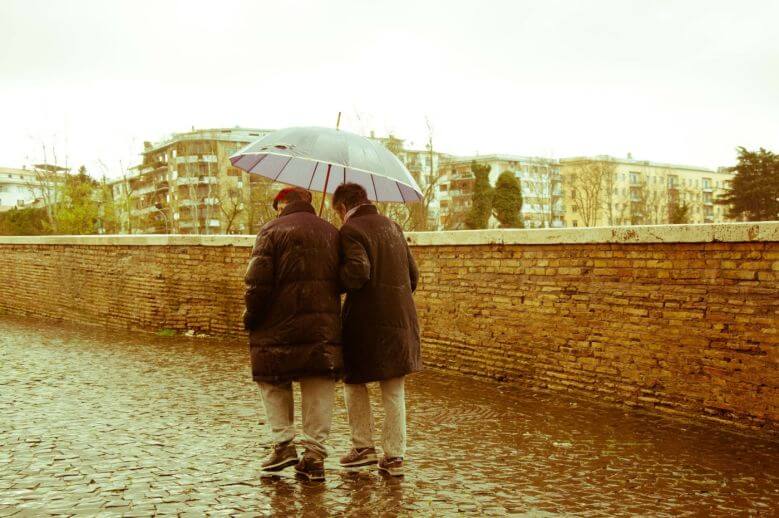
321	159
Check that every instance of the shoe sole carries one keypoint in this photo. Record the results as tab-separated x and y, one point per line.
370	460
275	468
394	472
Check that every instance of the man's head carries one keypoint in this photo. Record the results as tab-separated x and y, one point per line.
289	195
348	196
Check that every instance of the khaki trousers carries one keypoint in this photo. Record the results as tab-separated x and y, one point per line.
317	396
358	405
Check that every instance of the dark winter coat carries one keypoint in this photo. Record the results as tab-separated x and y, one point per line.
293	298
380	328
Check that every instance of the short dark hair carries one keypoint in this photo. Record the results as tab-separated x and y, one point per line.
350	194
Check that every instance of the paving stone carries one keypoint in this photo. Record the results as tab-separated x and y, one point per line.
137	425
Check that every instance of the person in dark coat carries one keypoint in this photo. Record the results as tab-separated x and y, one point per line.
293	318
380	328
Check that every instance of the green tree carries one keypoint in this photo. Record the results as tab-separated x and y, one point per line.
78	211
678	213
108	210
24	222
481	202
507	200
754	190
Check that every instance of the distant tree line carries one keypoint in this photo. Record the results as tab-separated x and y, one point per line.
73	204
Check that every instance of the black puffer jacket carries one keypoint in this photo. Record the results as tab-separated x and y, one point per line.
293	298
381	332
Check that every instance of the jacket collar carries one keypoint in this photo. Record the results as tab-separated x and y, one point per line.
297	206
363	210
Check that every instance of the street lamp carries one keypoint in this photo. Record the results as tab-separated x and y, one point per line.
158	206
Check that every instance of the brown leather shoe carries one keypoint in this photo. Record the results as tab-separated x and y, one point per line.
391	466
311	466
359	458
283	455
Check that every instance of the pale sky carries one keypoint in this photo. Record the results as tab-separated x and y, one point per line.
682	81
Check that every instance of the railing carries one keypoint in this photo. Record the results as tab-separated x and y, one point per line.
191	159
197	180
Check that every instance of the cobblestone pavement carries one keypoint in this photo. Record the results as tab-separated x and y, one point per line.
100	422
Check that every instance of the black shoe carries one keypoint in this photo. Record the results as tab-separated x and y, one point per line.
283	455
311	466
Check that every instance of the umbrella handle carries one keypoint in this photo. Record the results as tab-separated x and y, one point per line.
324	191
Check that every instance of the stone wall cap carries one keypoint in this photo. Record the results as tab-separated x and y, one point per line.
699	233
764	231
133	240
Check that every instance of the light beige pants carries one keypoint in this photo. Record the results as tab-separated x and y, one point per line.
317	396
358	405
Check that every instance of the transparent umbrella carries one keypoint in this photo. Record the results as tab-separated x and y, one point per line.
321	159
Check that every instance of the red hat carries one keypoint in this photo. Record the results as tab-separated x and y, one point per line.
298	194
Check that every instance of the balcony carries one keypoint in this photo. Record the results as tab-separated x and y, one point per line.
199	203
144	211
195	180
146	189
192	159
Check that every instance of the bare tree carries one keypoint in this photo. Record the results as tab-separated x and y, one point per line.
47	185
541	183
415	216
611	195
586	184
258	208
231	205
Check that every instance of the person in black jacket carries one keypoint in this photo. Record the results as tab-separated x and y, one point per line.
380	328
293	318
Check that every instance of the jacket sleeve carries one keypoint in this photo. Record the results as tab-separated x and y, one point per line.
413	271
355	268
259	281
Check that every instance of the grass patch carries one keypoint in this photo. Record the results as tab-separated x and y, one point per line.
166	332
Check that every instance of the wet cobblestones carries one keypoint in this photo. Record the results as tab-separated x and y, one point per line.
120	424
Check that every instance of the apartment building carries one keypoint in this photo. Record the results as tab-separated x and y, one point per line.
604	190
543	204
186	185
27	187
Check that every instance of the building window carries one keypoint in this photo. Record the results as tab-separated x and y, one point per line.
575	223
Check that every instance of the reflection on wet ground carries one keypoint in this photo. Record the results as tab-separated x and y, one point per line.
95	421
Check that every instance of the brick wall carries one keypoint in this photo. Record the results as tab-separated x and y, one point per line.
675	319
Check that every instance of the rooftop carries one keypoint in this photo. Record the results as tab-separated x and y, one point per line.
236	134
643	163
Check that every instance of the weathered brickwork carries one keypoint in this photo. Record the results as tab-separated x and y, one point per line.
147	288
684	328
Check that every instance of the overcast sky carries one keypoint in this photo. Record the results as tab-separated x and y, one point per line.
667	80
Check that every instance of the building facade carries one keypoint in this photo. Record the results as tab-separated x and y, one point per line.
29	187
608	191
186	185
15	188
